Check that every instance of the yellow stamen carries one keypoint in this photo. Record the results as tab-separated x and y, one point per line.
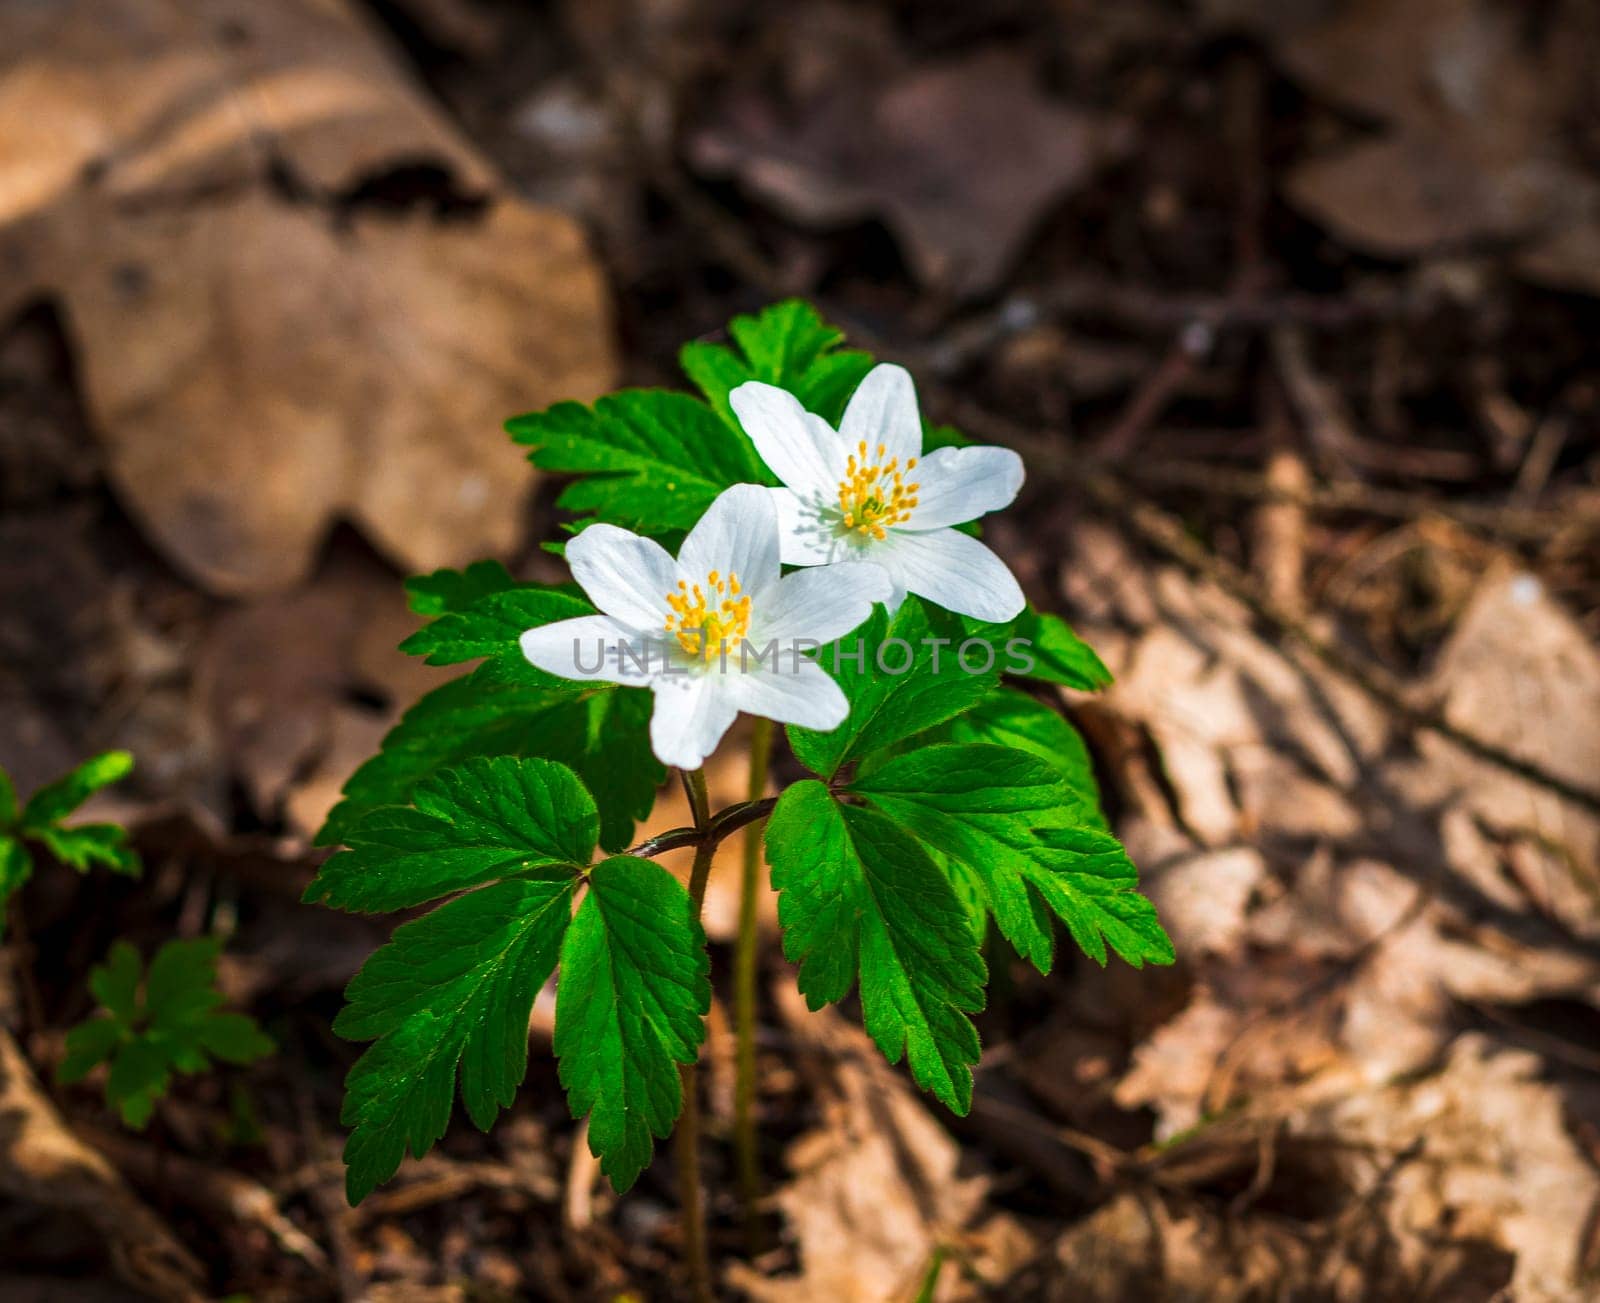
873	496
709	627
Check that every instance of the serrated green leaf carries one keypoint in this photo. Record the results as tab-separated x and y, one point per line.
601	733
88	1045
979	805
487	818
492	625
652	459
1040	646
445	591
859	900
787	345
930	687
51	802
1093	887
630	1008
449	996
83	846
8	801
1011	718
1000	812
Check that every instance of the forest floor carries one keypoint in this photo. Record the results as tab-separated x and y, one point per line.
1294	311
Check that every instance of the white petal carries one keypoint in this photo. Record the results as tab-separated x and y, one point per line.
955	485
691	715
803	450
952	570
595	647
805	537
800	694
883	410
820	604
624	575
738	534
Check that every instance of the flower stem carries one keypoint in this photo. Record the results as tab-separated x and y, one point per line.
688	1142
744	997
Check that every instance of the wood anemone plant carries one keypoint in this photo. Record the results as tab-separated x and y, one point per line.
794	545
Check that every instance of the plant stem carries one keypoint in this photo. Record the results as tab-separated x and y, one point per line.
688	1143
744	998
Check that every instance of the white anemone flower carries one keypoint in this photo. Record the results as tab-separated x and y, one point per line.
865	492
717	631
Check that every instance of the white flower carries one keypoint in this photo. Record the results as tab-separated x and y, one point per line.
715	632
865	492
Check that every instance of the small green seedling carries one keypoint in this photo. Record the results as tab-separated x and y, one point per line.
797	546
153	1024
39	822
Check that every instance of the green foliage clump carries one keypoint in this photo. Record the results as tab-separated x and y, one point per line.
153	1024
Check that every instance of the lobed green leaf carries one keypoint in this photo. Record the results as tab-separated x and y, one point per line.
157	1023
652	459
787	345
445	591
487	818
55	800
861	903
448	997
887	707
492	625
502	708
630	1009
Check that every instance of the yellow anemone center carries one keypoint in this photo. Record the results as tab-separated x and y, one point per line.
711	619
873	495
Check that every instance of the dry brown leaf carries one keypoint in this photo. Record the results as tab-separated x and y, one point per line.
960	159
1519	672
1476	97
280	676
876	1189
266	345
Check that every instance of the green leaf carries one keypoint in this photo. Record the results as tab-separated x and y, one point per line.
16	867
67	793
485	819
116	983
180	986
491	627
448	997
787	345
635	990
653	460
860	900
88	1045
141	1072
1093	887
445	591
8	800
601	733
1049	651
979	806
930	687
1011	718
174	1027
234	1038
1012	821
85	845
